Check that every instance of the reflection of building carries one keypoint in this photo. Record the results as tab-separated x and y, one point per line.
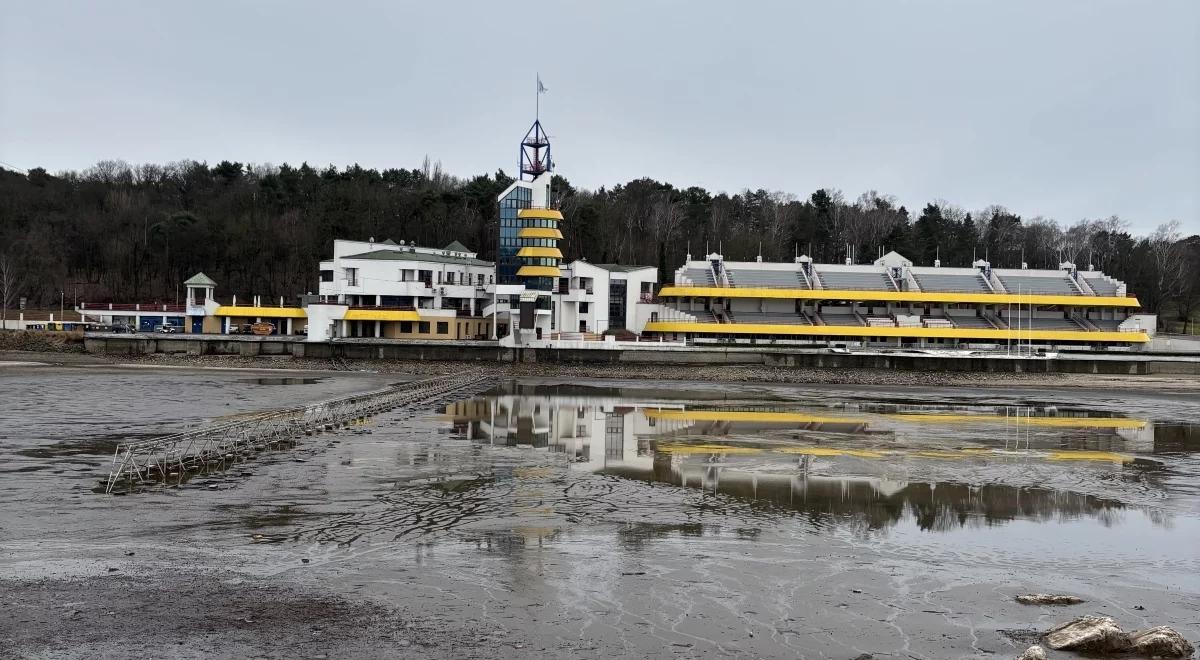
760	455
593	432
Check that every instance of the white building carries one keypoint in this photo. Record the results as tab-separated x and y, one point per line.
597	298
398	291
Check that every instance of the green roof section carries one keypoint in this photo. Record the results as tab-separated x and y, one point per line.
199	279
403	255
388	241
457	247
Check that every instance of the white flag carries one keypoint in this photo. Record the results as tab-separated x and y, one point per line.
541	88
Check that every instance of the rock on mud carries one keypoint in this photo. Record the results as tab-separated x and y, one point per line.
1091	634
1160	642
1048	599
1034	652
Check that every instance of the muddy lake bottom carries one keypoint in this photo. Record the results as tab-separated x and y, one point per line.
590	519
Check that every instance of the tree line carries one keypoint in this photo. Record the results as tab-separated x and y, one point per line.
120	232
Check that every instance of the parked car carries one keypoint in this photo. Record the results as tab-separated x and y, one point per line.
166	329
122	328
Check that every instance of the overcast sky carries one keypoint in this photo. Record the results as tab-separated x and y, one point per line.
1066	109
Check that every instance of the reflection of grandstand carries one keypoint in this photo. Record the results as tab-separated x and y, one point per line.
841	466
726	421
892	302
877	503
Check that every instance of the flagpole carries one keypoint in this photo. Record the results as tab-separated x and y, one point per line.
537	99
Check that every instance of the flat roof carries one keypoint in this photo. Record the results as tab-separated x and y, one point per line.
400	255
619	268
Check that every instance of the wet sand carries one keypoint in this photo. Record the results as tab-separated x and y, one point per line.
1181	383
607	527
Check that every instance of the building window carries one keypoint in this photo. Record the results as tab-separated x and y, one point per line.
327	276
406	327
583	308
443	327
423	327
351	277
616	304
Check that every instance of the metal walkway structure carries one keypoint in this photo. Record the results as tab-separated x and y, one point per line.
213	447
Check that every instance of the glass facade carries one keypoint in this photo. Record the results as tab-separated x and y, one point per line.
507	262
616	304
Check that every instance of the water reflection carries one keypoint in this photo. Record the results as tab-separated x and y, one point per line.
866	465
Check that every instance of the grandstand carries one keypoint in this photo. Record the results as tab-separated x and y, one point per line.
1026	322
855	280
1060	285
772	318
701	276
974	282
891	302
976	322
1102	286
769	279
1107	325
841	318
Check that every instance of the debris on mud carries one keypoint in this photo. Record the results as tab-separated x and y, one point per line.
1160	642
1101	634
1090	634
1034	652
1048	599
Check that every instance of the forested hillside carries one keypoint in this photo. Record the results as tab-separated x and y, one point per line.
134	233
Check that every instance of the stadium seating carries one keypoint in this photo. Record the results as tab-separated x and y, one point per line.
1106	325
1023	322
856	281
1102	286
701	276
952	283
840	318
773	279
1040	284
971	322
782	318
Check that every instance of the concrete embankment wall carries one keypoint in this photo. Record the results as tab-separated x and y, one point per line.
490	351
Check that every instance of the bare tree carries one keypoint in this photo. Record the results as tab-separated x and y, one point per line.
1167	251
9	285
780	212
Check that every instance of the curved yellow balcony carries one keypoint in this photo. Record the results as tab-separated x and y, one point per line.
539	232
381	315
538	271
263	312
543	214
540	252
